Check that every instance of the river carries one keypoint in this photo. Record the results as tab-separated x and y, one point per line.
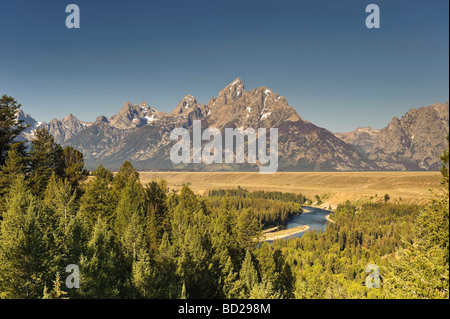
313	217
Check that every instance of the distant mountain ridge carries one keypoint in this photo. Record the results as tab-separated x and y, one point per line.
140	133
413	142
363	138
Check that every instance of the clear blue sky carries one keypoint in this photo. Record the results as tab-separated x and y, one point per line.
318	54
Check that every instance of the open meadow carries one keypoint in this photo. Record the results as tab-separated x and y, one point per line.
332	187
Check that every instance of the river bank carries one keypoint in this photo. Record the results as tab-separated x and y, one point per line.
329	219
311	210
285	233
312	218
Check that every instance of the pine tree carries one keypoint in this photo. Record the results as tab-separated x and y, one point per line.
221	239
248	229
15	165
157	218
73	165
133	241
57	292
125	173
421	269
151	230
264	290
10	128
102	270
58	212
267	267
142	274
76	240
194	265
45	159
166	281
248	276
101	173
98	199
229	281
22	249
131	202
186	208
286	282
184	294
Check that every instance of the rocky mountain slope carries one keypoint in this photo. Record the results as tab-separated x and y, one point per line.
363	138
415	141
31	123
140	133
62	130
131	135
303	146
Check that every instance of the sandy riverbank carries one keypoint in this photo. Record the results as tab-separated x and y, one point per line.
285	233
329	219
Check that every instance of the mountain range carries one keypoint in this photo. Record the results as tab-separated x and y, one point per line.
141	134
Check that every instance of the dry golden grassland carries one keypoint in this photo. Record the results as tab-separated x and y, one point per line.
332	187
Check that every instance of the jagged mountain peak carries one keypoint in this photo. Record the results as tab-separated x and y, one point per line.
365	130
21	114
73	124
30	123
140	133
61	129
236	84
188	101
186	105
415	141
362	138
134	115
101	119
441	108
146	108
25	118
70	119
70	116
233	91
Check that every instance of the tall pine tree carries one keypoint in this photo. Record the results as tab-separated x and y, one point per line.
15	165
45	160
10	127
23	252
421	269
98	199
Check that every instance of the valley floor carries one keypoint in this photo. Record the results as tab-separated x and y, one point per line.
332	187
